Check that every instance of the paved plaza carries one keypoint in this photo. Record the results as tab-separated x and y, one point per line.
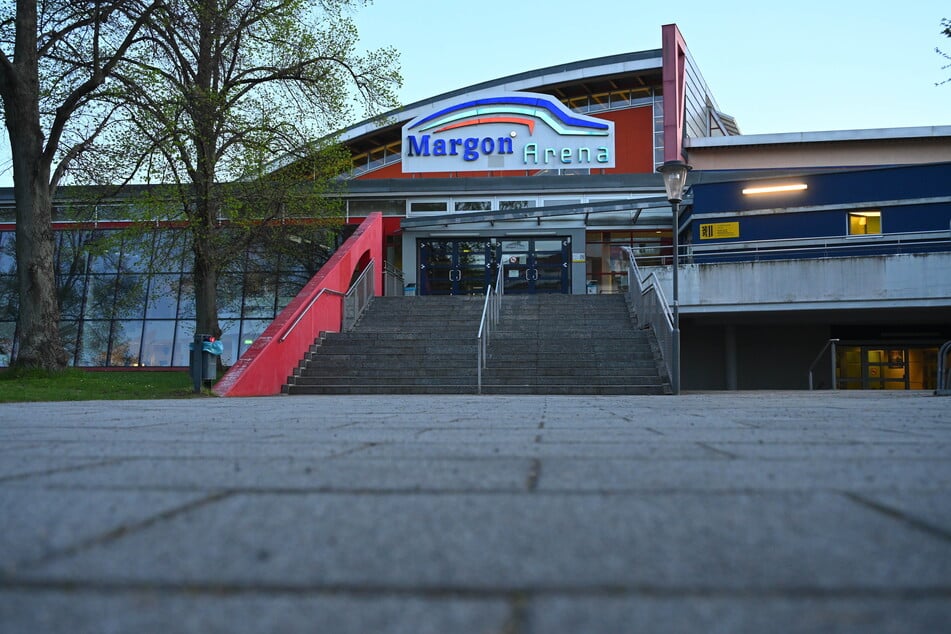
725	512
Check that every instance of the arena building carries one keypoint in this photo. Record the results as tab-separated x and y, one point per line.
788	240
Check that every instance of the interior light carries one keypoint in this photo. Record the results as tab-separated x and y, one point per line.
772	189
863	220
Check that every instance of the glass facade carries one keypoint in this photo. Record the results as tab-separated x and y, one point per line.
607	262
127	301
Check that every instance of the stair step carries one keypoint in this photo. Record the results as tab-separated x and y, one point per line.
552	344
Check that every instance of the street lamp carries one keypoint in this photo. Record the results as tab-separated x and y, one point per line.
675	179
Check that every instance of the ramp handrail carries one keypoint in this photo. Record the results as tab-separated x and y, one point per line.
355	302
943	387
490	318
651	307
835	381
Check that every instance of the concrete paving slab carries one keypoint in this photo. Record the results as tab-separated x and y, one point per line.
728	615
69	612
338	474
522	542
732	512
37	523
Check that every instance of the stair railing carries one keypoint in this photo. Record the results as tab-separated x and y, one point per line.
357	299
835	380
944	371
355	302
490	318
651	307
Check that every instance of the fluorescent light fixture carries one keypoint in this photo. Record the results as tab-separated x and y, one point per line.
772	189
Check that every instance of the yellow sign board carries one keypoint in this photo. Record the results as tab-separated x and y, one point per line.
718	230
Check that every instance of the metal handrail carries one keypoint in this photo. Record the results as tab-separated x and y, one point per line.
828	246
358	297
491	311
358	290
943	387
835	381
651	307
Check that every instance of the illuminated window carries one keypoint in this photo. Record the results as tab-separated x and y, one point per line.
865	222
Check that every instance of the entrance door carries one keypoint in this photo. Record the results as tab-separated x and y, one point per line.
454	267
467	266
536	265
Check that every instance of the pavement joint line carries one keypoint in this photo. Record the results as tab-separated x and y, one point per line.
888	511
534	473
496	592
717	451
352	450
49	472
414	491
123	530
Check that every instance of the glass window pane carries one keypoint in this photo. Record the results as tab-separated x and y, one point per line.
473	205
171	247
259	295
163	296
6	342
230	341
288	288
136	253
8	256
429	207
508	205
251	329
157	343
9	301
229	295
184	335
95	342
126	340
100	296
186	306
71	289
68	332
130	297
108	260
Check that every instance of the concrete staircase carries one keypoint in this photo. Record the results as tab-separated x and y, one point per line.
570	344
401	345
545	344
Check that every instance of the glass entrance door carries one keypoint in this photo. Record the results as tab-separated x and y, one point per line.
454	267
536	265
467	266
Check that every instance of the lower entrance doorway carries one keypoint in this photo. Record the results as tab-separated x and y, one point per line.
466	266
884	367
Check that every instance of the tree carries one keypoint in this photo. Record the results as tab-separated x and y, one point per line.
946	31
229	101
56	58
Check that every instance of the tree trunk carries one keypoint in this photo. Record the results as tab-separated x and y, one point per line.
39	342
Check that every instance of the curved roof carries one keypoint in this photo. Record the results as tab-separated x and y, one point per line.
564	81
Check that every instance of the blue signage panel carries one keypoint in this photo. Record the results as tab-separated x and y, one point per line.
515	131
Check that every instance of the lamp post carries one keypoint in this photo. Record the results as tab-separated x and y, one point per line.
675	179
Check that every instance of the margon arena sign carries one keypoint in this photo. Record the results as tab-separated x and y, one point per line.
515	131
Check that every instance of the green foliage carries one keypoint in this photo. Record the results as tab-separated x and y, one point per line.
26	384
946	23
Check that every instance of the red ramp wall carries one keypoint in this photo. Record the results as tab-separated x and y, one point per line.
265	366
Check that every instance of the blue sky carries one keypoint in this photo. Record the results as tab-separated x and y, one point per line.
776	67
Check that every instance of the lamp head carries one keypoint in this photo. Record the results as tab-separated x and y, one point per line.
675	179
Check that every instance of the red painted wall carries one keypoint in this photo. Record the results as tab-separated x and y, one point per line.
265	366
634	140
634	150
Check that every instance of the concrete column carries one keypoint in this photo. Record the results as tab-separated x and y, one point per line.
729	356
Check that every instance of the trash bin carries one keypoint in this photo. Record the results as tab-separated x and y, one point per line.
203	359
409	290
592	288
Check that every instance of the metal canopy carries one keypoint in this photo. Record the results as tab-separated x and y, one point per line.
537	213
